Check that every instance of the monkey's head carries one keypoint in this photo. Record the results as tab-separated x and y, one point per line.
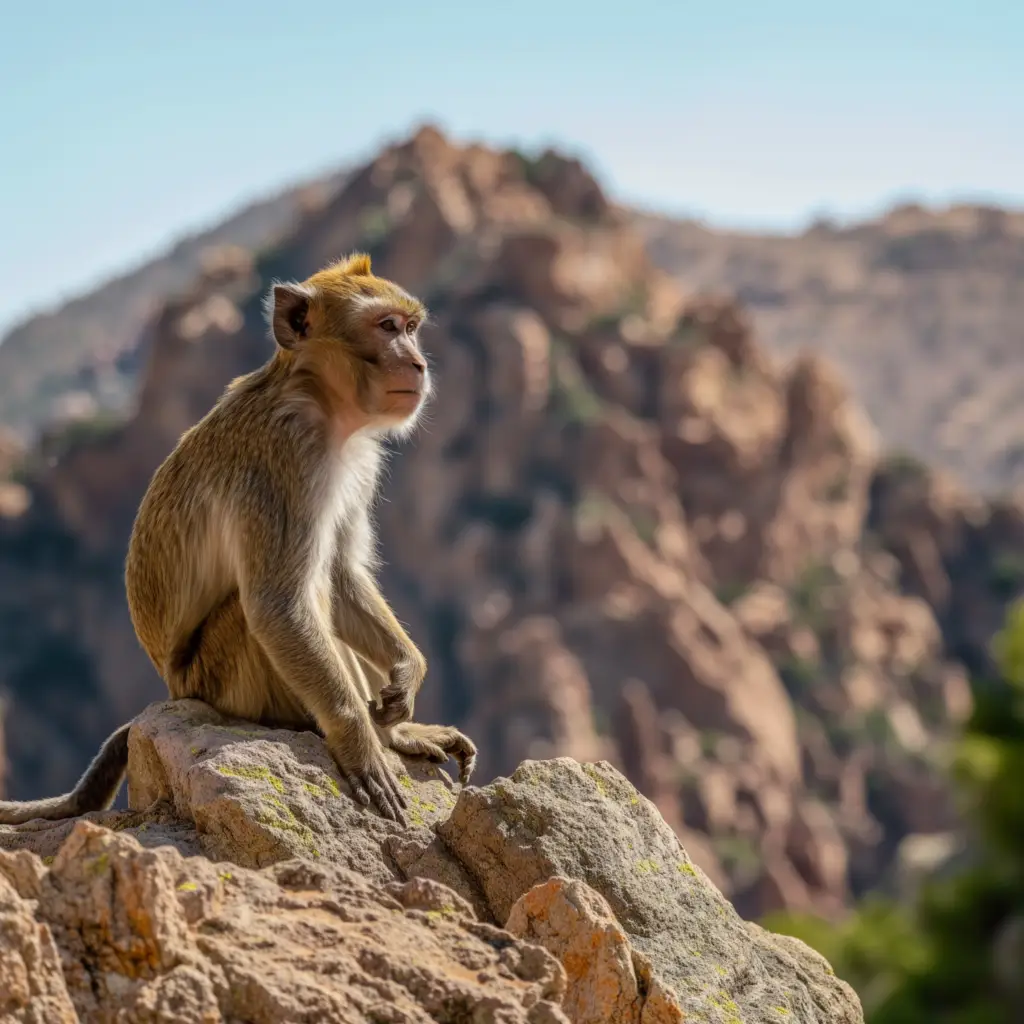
356	334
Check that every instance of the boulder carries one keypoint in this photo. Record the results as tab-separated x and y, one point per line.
112	931
559	818
557	894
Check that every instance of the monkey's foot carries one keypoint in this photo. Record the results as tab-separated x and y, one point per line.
371	779
437	743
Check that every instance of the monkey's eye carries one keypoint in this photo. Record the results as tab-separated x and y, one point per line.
411	326
388	325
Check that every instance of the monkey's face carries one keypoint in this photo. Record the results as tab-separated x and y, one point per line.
392	380
359	335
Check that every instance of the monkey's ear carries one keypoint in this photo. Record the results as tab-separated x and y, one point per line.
287	311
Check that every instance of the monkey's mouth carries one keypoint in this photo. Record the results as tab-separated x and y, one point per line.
405	391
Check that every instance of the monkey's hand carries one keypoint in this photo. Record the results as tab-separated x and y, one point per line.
398	697
436	743
363	764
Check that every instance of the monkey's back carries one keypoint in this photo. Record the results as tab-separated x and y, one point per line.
176	567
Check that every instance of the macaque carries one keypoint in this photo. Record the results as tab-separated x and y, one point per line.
250	570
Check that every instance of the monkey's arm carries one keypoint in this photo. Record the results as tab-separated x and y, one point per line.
366	623
285	617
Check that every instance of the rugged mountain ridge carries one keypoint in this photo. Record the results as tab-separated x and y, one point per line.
922	311
624	532
82	358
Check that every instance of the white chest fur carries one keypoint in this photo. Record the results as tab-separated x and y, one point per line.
349	481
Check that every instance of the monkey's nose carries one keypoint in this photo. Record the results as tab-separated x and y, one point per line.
418	363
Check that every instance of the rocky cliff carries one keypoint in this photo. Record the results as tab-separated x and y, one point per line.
624	532
83	358
922	310
246	884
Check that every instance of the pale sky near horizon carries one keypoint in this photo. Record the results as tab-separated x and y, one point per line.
122	128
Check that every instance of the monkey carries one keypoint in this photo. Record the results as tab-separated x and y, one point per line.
250	571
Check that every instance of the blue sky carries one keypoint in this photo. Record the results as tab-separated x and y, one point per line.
124	125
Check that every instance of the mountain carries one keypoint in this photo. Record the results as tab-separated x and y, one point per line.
625	531
922	310
81	357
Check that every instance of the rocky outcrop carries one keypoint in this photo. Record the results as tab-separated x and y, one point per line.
244	882
606	980
624	533
923	309
112	931
962	555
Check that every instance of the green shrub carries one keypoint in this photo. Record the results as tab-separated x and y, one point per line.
933	961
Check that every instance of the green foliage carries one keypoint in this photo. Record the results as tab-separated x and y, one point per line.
507	513
740	858
799	676
60	441
688	334
534	168
730	592
709	740
1006	577
810	606
903	466
572	397
374	225
838	489
935	962
645	522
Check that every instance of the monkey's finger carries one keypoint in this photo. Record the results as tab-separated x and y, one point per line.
384	777
467	765
432	752
462	748
385	801
358	791
391	713
391	784
385	716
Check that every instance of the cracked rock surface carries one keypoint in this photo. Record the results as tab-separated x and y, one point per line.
244	884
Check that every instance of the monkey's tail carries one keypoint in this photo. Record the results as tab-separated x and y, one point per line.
95	790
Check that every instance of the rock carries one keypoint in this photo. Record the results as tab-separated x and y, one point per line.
572	921
563	854
549	712
32	989
585	822
151	935
257	796
158	825
962	555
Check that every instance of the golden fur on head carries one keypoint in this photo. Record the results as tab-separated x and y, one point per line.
347	292
336	301
352	337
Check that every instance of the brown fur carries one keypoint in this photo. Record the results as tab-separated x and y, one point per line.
250	569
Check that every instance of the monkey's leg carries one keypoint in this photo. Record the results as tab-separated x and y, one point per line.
436	743
230	671
223	665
